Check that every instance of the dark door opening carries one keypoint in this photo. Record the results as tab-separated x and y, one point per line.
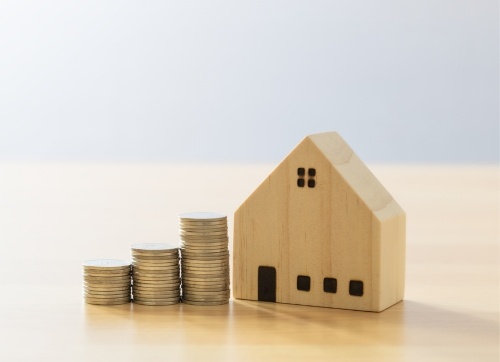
267	284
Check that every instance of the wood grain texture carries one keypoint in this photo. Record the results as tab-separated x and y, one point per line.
347	227
53	216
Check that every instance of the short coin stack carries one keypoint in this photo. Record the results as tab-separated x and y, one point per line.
204	258
156	279
106	281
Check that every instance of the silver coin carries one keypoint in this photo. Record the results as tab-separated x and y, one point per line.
201	299
202	216
146	280
107	296
156	283
204	258
208	234
202	222
149	266
200	286
157	300
156	293
211	293
185	239
208	226
203	251
165	280
108	301
206	268
208	274
204	303
207	284
203	238
100	277
191	291
214	287
198	291
157	303
110	283
137	256
156	270
157	254
158	267
204	241
107	275
212	275
109	264
172	261
205	246
207	293
188	251
160	284
157	275
99	284
153	247
105	288
159	288
204	264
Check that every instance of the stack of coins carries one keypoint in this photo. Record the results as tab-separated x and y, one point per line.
106	281
204	258
155	271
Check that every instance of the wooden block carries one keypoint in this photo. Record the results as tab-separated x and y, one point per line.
320	230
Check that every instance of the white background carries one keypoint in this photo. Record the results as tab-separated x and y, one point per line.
244	81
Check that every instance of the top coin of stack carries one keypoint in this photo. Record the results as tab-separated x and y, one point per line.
155	274
204	258
106	281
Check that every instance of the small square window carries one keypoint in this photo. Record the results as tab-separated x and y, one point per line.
330	285
304	283
311	172
356	288
301	171
311	183
301	182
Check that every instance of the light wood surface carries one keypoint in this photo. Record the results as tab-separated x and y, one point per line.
54	216
345	227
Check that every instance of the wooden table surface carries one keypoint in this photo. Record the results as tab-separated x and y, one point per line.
54	216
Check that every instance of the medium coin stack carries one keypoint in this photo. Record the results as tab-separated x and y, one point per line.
204	258
155	271
106	281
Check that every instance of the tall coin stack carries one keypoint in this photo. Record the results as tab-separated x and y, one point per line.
204	258
155	271
106	281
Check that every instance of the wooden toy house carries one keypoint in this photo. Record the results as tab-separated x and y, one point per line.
321	230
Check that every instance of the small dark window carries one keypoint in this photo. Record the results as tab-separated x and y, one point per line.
330	285
311	172
304	283
311	183
301	182
301	171
356	288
